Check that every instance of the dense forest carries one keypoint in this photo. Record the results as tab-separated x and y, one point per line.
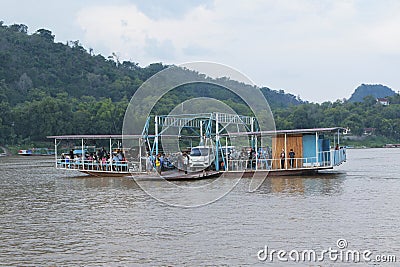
49	88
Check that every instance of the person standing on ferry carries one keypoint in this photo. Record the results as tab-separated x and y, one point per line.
283	157
291	156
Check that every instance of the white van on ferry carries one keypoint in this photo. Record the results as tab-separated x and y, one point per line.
201	157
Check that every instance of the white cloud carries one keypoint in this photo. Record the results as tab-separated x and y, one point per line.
132	34
302	46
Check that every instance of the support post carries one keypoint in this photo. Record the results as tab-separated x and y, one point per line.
83	157
286	151
316	149
140	155
201	131
156	132
226	153
333	151
256	148
252	131
110	159
216	142
55	150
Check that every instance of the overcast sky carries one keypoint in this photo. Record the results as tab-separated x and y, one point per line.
320	50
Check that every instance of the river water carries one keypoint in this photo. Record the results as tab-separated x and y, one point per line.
58	218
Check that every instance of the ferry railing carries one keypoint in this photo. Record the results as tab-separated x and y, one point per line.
338	156
107	166
93	165
275	164
324	159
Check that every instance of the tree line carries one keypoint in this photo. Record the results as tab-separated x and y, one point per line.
59	115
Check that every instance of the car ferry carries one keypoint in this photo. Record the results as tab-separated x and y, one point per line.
213	151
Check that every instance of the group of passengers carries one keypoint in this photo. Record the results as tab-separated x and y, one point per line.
246	158
100	160
159	162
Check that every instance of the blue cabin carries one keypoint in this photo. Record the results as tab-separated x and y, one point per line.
317	147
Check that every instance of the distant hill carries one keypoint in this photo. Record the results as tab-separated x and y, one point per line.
375	90
33	66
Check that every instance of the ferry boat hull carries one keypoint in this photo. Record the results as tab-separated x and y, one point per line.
175	175
168	175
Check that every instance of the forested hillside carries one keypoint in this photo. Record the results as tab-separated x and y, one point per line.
49	88
33	65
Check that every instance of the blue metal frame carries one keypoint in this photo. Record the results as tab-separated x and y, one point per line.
206	122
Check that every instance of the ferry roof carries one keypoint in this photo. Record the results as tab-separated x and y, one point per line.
106	136
311	130
293	131
118	136
88	136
